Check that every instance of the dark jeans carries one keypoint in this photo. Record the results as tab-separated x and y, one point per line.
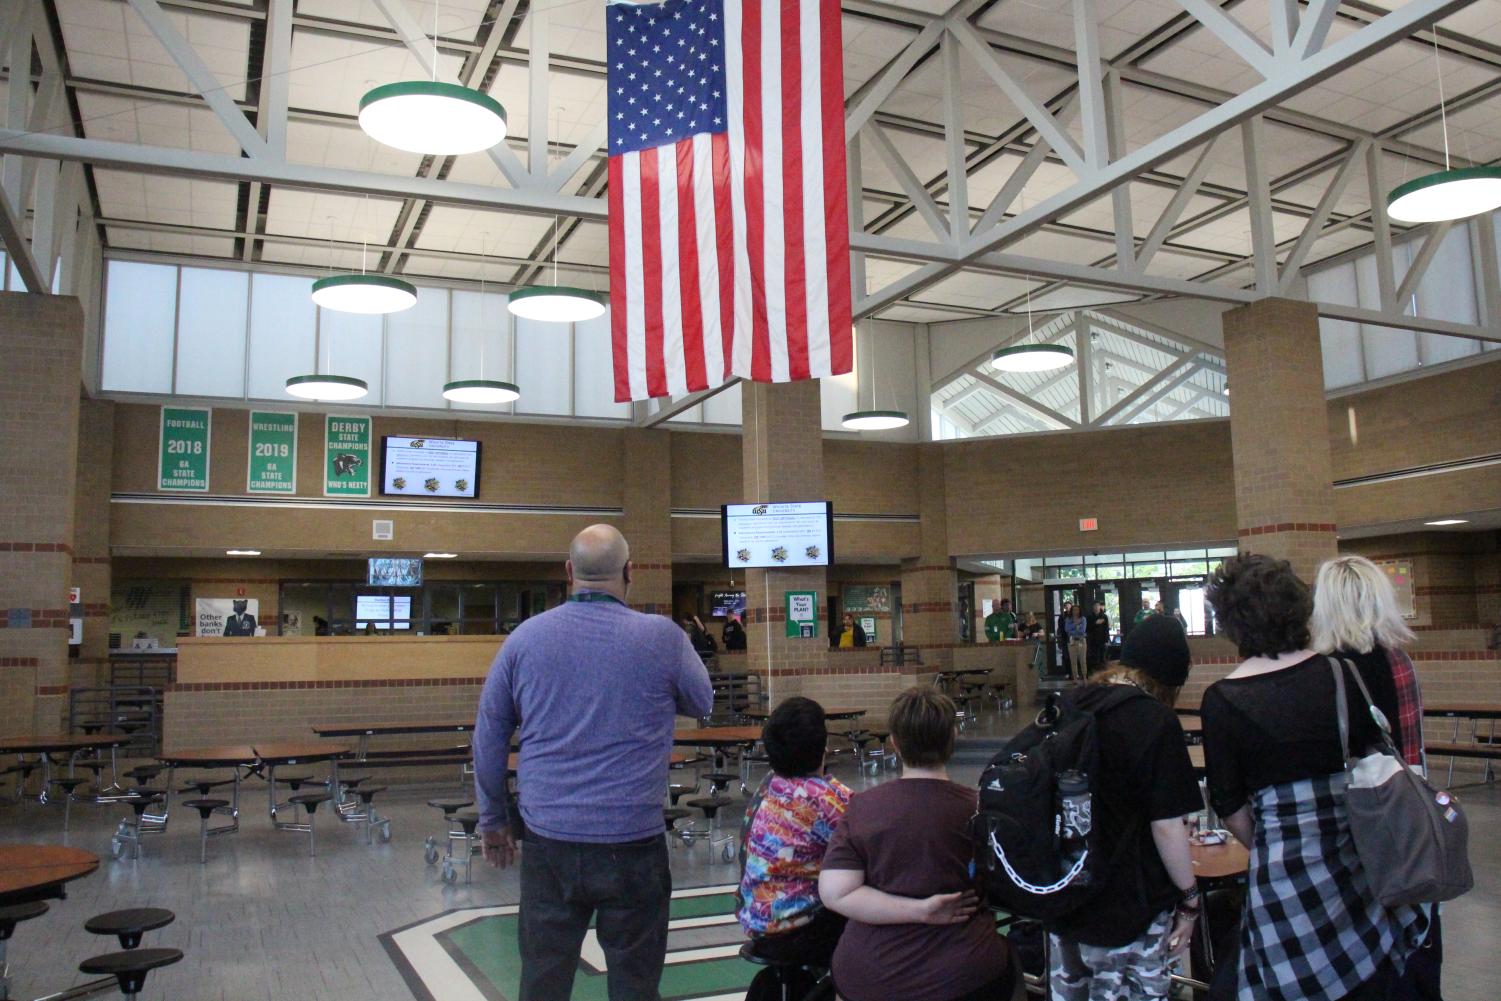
625	888
811	945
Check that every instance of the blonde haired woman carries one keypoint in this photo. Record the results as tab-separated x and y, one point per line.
1355	617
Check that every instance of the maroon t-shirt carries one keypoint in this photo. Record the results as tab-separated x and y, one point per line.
911	839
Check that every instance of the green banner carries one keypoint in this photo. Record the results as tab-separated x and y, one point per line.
183	463
271	466
346	456
802	614
867	598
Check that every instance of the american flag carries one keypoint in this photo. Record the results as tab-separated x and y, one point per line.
729	226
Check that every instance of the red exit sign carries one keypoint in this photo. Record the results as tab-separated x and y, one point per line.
1089	524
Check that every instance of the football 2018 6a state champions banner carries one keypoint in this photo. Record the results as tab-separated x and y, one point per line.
729	215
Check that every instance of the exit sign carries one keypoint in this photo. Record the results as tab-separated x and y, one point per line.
1089	524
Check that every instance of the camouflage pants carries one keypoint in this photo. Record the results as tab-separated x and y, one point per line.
1138	971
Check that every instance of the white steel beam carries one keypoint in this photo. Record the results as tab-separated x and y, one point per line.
910	185
1381	230
276	67
559	177
1091	68
1025	402
1315	26
1145	392
1175	206
874	92
539	47
1316	222
201	77
1259	201
1284	21
1419	265
1234	34
953	129
1131	412
1484	237
671	408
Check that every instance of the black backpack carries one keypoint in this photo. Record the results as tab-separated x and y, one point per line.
1037	852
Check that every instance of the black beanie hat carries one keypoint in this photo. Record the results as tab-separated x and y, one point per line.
1158	647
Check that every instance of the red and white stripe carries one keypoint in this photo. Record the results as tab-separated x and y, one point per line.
729	254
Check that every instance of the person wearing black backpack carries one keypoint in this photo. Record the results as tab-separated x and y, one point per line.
1139	915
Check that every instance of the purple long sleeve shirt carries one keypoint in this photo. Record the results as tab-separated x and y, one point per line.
595	688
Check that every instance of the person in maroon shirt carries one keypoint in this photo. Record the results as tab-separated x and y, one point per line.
899	869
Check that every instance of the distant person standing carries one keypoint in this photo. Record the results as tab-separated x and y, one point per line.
734	633
1076	627
851	633
1178	618
1061	635
1098	637
594	688
1143	613
699	637
1001	623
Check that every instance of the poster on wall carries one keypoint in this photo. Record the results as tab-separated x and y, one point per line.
802	614
1399	572
868	623
346	456
271	458
183	461
227	617
867	598
75	616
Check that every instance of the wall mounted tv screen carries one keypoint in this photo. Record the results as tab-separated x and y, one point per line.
428	467
385	610
723	603
778	535
385	572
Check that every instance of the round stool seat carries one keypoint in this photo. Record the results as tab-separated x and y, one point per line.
722	778
710	804
202	786
673	814
130	968
16	913
310	800
352	781
449	806
130	924
368	793
68	785
677	792
468	820
205	806
295	781
144	772
140	800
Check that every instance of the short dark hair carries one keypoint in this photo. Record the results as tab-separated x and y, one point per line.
1260	604
922	726
794	737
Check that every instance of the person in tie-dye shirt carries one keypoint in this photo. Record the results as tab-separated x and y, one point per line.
788	827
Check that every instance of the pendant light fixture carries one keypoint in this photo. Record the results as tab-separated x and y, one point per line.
1447	194
320	385
874	420
481	390
1031	357
556	303
438	119
364	292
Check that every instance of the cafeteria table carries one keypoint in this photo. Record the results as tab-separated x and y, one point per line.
271	755
40	872
364	731
1475	713
1216	867
835	713
229	756
44	746
720	739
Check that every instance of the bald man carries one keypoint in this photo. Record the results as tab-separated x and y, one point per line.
594	688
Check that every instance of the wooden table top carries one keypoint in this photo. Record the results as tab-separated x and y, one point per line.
1473	710
289	751
33	872
837	712
377	729
225	756
44	744
1220	861
709	736
1196	758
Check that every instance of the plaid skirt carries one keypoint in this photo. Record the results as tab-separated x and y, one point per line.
1312	931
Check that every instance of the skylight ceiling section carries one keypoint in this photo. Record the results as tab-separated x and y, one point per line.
107	40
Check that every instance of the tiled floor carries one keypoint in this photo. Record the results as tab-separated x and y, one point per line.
263	922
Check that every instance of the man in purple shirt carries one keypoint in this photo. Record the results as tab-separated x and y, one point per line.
594	688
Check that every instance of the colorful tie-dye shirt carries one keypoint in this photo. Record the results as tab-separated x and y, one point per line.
784	851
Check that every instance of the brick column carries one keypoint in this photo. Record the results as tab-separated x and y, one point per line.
91	565
648	517
41	337
782	452
1279	433
930	583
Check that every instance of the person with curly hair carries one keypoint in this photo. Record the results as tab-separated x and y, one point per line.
1311	929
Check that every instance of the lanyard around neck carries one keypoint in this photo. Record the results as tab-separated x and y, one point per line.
594	596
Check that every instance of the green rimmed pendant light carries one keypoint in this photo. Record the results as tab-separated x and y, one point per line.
326	387
364	293
873	420
556	303
481	390
433	118
1448	194
1031	357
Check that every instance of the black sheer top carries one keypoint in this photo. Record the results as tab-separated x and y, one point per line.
1281	727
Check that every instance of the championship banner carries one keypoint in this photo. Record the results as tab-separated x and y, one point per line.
182	463
271	459
226	617
346	456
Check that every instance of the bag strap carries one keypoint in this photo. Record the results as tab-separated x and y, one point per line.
1341	708
1377	716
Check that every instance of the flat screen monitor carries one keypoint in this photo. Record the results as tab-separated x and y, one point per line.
385	610
778	535
722	603
429	467
387	572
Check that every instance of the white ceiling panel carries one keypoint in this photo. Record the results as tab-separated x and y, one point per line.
327	214
170	200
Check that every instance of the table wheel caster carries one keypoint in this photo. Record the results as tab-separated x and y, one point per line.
450	874
115	848
385	832
729	851
430	851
